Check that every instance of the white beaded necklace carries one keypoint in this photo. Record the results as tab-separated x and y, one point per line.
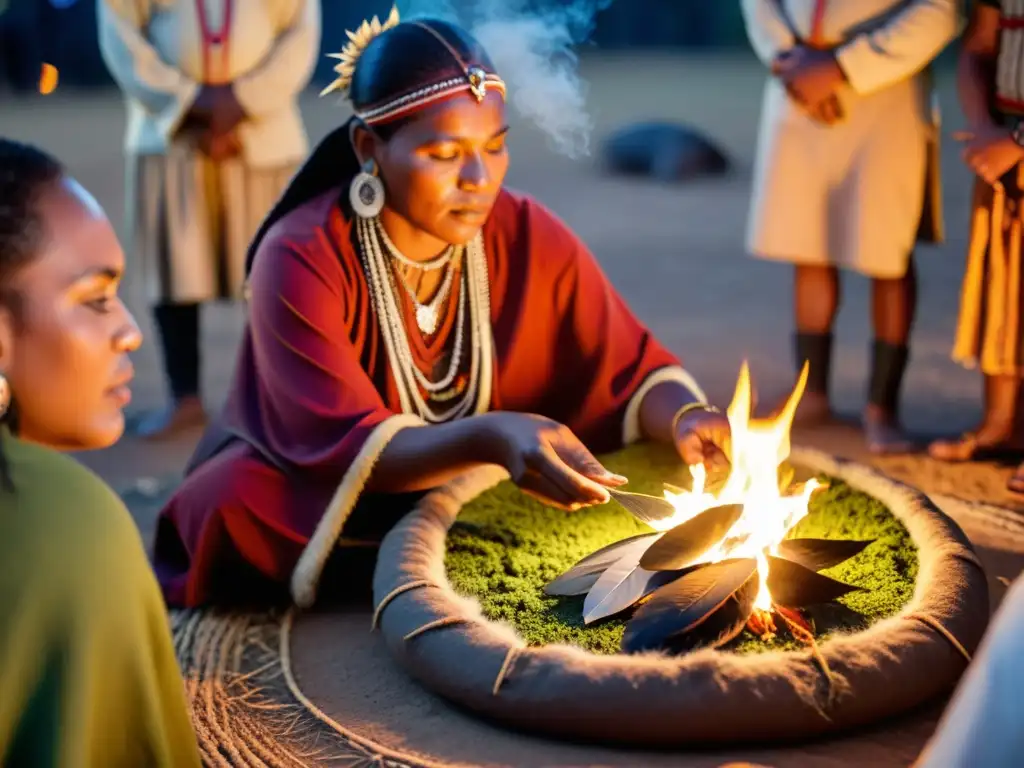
434	387
428	266
426	314
474	291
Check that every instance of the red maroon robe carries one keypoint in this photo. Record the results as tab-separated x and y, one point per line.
313	384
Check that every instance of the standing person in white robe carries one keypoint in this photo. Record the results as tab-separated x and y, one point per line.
846	176
214	134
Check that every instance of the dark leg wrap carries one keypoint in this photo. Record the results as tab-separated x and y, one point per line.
888	364
816	350
178	325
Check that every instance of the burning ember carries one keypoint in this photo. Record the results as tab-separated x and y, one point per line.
720	561
48	78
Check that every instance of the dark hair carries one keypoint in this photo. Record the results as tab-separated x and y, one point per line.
25	174
397	62
408	57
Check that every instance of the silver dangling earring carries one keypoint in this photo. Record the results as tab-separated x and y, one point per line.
366	194
5	396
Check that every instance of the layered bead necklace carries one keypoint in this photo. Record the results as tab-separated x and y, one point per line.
474	298
426	314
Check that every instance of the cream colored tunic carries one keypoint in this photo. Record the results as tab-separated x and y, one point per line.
190	219
853	194
154	50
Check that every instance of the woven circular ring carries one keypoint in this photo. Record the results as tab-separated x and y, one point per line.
707	697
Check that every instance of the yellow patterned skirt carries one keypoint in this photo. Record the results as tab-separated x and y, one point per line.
988	333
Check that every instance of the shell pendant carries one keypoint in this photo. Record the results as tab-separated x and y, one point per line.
426	318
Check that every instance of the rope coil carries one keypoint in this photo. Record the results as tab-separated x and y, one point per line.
447	621
401	589
935	624
506	669
817	657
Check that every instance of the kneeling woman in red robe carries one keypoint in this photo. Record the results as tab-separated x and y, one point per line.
409	319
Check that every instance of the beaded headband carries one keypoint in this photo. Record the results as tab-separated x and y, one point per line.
474	79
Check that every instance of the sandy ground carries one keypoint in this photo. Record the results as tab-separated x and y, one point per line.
675	252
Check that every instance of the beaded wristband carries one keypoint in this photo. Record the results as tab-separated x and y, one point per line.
695	406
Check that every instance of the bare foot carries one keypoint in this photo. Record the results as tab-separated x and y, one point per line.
884	435
988	440
1016	482
169	421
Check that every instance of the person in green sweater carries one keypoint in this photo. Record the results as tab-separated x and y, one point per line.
88	675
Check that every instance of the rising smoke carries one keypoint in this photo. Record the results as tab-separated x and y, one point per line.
532	44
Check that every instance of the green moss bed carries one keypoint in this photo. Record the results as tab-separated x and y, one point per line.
504	547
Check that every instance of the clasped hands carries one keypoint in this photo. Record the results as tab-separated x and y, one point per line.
812	78
214	118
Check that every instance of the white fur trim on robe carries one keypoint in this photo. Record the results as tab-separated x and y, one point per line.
306	576
631	431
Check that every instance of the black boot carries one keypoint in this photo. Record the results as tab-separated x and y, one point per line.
881	421
888	364
814	349
178	326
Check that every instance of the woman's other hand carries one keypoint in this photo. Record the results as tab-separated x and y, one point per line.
703	436
546	460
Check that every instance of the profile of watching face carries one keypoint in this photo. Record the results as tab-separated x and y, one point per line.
65	334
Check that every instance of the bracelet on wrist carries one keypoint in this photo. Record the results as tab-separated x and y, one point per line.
1017	132
688	408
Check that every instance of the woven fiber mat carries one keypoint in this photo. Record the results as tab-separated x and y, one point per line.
319	688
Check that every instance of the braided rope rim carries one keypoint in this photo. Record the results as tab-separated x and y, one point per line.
234	665
413	553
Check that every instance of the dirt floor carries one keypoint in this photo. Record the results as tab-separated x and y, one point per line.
675	252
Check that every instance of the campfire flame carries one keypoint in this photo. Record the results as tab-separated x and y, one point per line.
759	447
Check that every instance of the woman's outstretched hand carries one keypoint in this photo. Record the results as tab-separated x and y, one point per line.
546	460
703	436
